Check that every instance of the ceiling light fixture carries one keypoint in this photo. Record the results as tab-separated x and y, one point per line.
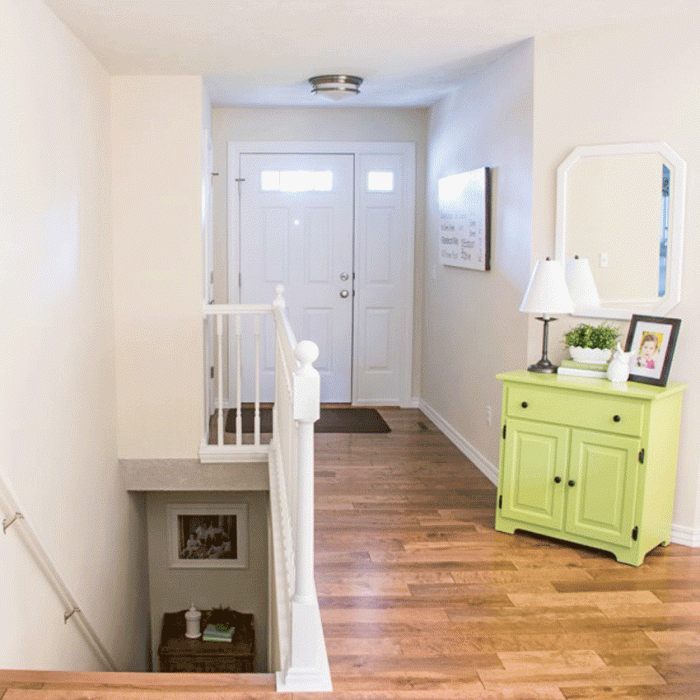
335	87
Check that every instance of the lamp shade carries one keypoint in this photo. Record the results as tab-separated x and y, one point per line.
547	293
579	280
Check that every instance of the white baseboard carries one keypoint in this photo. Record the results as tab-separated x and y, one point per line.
685	536
489	470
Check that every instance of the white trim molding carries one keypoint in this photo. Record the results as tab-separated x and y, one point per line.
488	469
685	535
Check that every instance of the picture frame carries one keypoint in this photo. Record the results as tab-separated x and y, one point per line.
464	204
207	535
652	341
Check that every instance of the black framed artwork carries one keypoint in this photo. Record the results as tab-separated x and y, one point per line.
652	342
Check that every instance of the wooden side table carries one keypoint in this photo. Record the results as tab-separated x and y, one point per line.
178	654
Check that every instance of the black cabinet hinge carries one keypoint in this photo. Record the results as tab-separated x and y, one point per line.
500	501
504	432
641	456
635	533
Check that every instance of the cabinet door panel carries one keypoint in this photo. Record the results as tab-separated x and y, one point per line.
600	505
534	454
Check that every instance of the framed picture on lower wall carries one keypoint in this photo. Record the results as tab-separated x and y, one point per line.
208	535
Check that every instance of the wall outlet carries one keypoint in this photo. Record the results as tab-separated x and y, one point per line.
489	415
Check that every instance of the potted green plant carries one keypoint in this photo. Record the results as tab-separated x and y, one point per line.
588	343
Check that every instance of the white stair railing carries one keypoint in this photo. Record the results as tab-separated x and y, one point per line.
299	655
302	659
15	520
218	318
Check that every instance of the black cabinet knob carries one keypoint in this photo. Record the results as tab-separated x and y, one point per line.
557	480
572	482
524	404
617	418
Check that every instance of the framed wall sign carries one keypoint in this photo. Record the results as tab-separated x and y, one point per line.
652	341
465	219
208	535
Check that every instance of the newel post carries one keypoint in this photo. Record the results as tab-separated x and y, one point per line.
307	669
279	301
307	399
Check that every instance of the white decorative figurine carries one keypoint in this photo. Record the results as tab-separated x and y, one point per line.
619	367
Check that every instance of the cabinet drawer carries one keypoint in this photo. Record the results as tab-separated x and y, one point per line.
593	412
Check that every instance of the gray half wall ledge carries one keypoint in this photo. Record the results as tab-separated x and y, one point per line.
192	475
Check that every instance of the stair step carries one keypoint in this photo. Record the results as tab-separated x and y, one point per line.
67	685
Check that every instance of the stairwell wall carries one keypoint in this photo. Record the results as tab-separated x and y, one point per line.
57	348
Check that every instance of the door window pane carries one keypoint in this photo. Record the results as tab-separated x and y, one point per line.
296	180
380	181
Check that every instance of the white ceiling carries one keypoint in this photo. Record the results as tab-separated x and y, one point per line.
261	52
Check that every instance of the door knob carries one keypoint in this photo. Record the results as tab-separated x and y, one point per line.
344	276
572	482
557	480
344	293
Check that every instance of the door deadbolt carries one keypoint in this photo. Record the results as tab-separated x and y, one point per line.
344	293
344	276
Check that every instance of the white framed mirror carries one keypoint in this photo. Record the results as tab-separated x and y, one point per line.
621	208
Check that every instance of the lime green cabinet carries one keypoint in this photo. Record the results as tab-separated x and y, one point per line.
589	461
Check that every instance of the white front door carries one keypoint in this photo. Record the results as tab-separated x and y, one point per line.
296	229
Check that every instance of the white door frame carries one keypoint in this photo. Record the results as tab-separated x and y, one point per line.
404	149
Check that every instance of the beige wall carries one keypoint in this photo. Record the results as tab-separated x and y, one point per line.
57	348
244	590
618	85
472	328
319	124
158	248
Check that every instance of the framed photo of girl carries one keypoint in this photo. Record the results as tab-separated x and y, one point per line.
652	341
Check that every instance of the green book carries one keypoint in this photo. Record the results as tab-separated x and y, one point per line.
211	634
593	366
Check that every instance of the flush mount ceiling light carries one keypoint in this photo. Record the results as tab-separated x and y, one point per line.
335	87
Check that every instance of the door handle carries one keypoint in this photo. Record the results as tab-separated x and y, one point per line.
344	293
344	276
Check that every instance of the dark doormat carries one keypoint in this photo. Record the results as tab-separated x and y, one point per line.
332	420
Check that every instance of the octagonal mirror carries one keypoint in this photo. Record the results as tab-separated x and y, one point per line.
621	208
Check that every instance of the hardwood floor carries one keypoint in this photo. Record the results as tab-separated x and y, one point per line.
421	598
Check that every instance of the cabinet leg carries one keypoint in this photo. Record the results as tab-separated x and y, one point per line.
630	560
506	527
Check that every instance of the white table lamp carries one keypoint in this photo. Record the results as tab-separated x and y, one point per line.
546	294
581	285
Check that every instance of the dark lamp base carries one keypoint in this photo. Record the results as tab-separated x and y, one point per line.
543	366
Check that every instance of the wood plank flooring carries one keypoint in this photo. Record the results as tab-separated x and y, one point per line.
421	598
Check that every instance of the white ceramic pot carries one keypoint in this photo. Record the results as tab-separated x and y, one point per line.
589	354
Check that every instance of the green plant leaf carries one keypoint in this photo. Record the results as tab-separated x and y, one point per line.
584	335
